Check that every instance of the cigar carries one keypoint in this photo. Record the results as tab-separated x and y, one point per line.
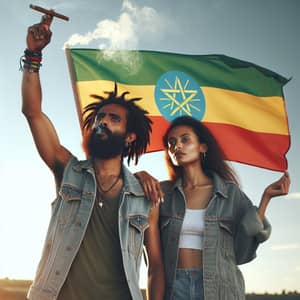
99	130
48	12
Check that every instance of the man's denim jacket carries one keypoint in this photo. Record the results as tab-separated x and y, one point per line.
71	212
232	234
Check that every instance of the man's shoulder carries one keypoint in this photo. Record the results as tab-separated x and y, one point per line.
132	184
75	169
79	165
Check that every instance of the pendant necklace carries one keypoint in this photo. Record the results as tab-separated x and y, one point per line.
102	191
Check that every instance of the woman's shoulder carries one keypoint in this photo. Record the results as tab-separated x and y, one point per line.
167	185
226	187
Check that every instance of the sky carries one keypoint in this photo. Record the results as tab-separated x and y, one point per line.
263	32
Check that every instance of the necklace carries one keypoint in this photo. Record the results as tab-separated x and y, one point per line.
199	186
111	186
102	191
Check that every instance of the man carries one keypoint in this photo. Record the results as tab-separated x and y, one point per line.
101	217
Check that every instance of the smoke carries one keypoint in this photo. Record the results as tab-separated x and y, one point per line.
295	195
133	23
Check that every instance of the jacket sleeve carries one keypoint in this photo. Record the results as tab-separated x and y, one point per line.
250	229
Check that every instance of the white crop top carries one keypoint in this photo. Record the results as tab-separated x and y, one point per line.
192	230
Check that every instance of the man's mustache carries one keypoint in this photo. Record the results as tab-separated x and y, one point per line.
100	129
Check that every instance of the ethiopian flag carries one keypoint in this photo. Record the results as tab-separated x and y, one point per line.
241	103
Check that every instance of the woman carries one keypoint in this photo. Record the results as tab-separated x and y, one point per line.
208	225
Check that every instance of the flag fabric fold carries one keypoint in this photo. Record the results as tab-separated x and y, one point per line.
241	103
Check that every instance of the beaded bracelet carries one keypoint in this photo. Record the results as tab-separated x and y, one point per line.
31	61
31	67
32	54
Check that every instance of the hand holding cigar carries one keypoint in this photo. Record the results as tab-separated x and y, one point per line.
48	12
39	35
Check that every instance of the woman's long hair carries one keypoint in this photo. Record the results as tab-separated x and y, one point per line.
214	160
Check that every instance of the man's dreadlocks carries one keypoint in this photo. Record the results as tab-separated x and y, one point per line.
137	121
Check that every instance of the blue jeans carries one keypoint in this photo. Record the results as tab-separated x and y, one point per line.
188	285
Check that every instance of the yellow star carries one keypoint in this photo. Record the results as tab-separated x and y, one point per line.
187	97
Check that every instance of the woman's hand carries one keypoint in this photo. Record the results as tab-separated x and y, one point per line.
280	187
151	186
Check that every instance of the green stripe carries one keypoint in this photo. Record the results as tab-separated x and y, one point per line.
218	71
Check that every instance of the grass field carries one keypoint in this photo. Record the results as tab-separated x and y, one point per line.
17	290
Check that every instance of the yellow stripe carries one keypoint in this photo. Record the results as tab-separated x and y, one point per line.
261	114
86	88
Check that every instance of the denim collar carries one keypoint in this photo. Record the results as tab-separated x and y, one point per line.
131	184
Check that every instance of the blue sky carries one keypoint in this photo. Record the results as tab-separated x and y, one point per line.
263	32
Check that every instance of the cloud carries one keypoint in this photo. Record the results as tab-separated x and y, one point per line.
145	19
293	246
133	23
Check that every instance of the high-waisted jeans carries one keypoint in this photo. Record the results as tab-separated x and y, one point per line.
188	285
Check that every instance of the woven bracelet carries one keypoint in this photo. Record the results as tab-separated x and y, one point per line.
31	61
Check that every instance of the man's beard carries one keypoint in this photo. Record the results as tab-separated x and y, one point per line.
112	146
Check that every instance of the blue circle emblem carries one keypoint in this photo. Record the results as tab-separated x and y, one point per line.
178	94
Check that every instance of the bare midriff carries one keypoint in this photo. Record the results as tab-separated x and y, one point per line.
189	259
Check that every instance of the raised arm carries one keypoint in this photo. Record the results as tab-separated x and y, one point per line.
253	227
43	132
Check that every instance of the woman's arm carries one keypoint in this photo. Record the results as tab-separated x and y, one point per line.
252	228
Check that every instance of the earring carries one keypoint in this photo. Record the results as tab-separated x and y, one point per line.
203	156
127	145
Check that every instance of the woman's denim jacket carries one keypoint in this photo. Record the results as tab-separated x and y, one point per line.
71	212
232	234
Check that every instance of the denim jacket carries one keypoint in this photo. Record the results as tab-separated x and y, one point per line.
232	234
71	212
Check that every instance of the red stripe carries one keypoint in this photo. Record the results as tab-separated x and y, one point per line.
240	145
159	127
